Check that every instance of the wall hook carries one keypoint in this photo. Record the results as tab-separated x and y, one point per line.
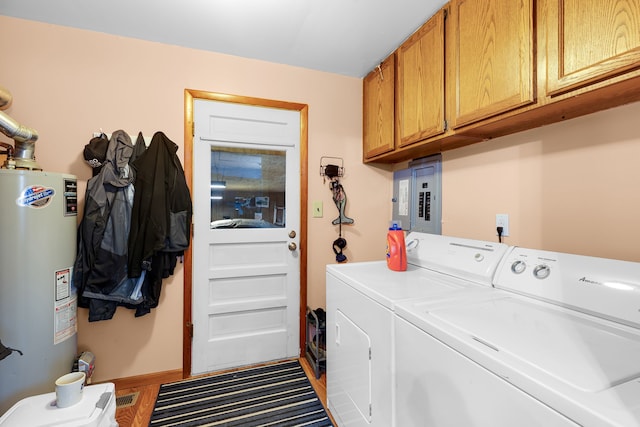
329	169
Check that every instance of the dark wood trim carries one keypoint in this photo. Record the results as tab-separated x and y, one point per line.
189	96
187	329
147	379
304	174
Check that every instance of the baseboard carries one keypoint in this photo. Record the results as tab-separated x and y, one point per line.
176	375
147	379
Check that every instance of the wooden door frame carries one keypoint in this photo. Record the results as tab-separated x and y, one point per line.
189	96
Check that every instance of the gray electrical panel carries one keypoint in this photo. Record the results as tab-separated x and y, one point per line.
417	199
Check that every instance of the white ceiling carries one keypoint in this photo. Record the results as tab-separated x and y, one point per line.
348	37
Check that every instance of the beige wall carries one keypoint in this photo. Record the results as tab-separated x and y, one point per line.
69	83
568	187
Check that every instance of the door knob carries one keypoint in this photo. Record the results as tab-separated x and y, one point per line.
292	234
292	246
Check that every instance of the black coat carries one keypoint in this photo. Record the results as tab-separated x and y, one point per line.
162	210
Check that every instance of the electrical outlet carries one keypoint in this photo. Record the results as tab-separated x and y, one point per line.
317	209
502	220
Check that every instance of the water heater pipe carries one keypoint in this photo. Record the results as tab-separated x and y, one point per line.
24	137
5	98
9	126
16	131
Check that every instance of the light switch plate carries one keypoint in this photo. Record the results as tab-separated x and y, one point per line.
317	209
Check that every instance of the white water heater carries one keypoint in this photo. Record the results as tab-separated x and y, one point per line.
38	320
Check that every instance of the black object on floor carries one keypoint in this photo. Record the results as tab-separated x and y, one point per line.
273	395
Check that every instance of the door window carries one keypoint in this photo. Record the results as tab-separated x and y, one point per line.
247	188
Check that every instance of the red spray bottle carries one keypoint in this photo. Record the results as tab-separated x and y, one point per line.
396	249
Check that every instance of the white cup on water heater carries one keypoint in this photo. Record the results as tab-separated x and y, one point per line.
69	389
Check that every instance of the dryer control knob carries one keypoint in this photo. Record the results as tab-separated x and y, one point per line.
541	271
478	257
518	267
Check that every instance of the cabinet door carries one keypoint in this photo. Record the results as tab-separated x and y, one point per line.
493	57
378	109
420	91
590	41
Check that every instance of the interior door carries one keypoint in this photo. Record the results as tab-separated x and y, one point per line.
245	251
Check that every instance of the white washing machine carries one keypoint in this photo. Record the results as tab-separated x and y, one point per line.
361	299
557	343
96	409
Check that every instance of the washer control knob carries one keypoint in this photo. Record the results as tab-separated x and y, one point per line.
478	257
518	266
541	271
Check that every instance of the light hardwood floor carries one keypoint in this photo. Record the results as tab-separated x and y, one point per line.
139	413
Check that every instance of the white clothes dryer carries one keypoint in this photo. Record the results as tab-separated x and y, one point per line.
557	343
361	300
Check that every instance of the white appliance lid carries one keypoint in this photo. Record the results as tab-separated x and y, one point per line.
40	410
388	287
587	353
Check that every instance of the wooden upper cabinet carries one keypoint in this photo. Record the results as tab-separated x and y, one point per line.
493	56
590	41
490	68
378	110
420	93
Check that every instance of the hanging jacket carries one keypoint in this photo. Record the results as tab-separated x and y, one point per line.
161	218
162	210
138	149
100	270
